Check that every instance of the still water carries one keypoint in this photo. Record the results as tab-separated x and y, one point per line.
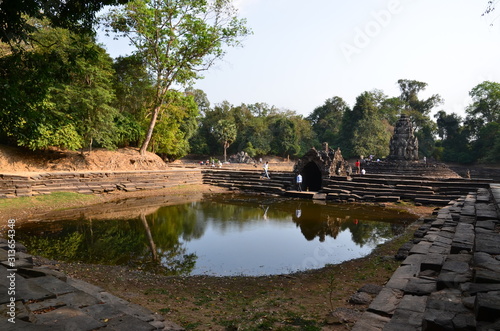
221	235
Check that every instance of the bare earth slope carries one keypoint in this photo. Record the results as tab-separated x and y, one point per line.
22	160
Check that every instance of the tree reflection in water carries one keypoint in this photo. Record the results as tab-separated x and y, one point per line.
162	239
316	220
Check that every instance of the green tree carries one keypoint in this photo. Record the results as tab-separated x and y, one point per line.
257	137
134	93
419	110
485	107
370	134
482	121
487	144
88	98
225	132
172	132
454	138
326	120
57	93
18	24
291	134
177	39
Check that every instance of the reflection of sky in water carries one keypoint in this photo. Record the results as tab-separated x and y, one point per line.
268	247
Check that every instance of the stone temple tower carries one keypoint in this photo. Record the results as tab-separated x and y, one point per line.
403	144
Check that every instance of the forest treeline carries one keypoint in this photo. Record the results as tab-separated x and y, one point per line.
59	88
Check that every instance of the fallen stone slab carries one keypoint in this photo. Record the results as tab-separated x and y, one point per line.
487	306
445	311
360	298
52	284
413	303
486	276
371	322
486	224
404	251
420	286
71	318
405	320
371	289
456	265
128	323
386	302
438	248
473	288
488	243
421	248
432	262
21	325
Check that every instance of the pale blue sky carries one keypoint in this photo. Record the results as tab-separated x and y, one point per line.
302	53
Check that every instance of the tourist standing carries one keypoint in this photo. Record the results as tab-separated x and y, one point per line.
299	182
358	166
266	169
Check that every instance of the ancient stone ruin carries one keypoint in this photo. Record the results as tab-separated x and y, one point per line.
403	145
241	157
316	165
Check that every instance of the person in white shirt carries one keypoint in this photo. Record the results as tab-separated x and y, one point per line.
299	182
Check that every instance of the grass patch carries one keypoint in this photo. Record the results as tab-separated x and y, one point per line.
56	200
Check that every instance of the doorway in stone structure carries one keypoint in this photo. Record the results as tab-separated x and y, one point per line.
312	177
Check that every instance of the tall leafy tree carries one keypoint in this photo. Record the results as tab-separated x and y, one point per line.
225	132
370	135
454	138
174	131
57	93
291	134
326	120
134	93
485	107
419	110
483	120
177	39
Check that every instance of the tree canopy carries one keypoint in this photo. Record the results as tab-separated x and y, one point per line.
18	19
177	39
61	89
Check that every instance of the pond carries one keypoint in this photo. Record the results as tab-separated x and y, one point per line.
220	235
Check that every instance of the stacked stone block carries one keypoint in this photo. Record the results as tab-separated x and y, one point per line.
94	182
46	299
450	276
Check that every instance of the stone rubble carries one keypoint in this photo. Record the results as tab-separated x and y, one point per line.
450	276
46	299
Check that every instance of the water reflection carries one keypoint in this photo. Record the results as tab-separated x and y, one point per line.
221	235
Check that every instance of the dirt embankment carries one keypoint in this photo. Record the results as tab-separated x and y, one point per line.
19	160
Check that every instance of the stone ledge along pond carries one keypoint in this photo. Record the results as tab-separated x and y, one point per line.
217	235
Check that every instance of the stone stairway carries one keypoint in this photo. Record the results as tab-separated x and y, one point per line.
385	187
356	188
450	276
251	180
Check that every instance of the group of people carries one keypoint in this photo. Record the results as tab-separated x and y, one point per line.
357	164
212	164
